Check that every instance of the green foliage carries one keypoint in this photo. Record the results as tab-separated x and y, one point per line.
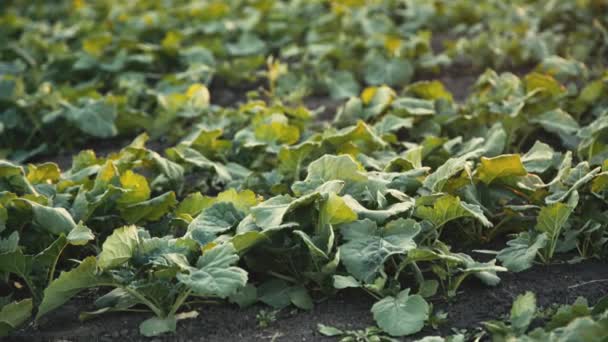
261	200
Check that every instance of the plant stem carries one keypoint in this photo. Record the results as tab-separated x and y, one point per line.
54	265
179	301
158	312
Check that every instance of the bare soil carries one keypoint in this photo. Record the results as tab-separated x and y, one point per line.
558	283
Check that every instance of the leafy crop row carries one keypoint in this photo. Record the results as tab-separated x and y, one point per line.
263	202
106	68
312	209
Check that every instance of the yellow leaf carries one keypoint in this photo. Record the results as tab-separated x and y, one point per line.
95	46
502	166
44	173
368	94
336	211
137	186
198	95
392	44
172	41
540	82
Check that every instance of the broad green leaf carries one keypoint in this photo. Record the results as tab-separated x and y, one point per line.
567	313
17	263
368	247
358	138
575	178
95	118
523	311
150	210
552	218
245	297
342	282
342	84
392	72
118	247
80	235
54	220
448	208
413	106
521	251
270	213
378	215
502	166
278	294
14	314
581	329
329	168
539	158
157	326
276	129
214	275
401	315
246	240
435	181
391	123
216	219
70	283
329	331
557	121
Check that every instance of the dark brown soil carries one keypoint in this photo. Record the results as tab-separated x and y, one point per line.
560	283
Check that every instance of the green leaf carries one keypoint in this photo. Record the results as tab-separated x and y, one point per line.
96	118
506	165
391	123
552	218
157	326
557	121
278	294
368	247
329	331
17	263
342	84
334	210
448	208
80	235
14	314
401	315
270	213
523	311
342	282
151	210
378	71
70	283
242	242
329	168
413	106
214	275
436	180
539	158
118	247
521	251
379	215
245	297
568	313
216	219
54	220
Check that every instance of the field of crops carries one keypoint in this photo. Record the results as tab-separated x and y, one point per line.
304	170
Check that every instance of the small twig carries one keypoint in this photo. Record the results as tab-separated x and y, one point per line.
587	283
